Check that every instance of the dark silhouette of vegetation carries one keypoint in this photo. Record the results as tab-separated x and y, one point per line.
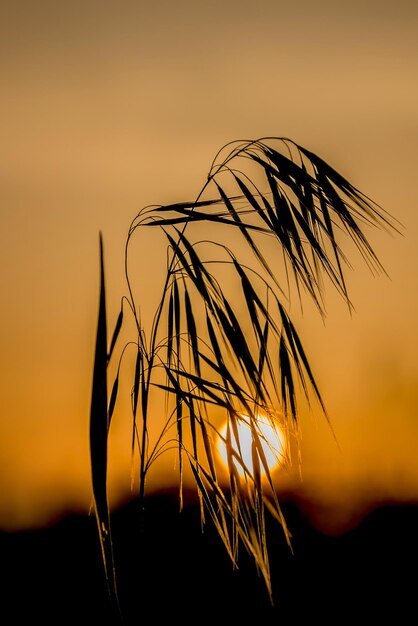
270	220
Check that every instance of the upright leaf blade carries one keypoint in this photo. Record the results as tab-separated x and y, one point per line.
99	425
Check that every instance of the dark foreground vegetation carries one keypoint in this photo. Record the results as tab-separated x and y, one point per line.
171	571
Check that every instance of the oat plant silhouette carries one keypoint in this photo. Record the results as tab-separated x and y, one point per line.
269	221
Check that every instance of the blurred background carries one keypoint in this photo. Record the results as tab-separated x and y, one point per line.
110	106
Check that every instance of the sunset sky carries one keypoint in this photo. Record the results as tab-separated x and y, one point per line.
110	106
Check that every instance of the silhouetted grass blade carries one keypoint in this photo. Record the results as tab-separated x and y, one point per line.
214	512
170	317
288	387
299	356
113	397
99	425
137	380
192	332
115	334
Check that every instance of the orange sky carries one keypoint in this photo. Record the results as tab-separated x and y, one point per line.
108	107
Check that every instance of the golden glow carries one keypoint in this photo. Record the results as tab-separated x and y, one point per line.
272	441
98	120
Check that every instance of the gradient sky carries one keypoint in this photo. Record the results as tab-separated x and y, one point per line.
109	106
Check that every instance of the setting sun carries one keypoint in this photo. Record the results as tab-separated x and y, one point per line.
271	437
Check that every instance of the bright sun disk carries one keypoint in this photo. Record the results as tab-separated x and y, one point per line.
272	441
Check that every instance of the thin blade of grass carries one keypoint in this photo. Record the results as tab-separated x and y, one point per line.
170	325
177	317
287	384
115	334
231	386
113	396
299	356
220	527
137	378
199	273
191	331
99	425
